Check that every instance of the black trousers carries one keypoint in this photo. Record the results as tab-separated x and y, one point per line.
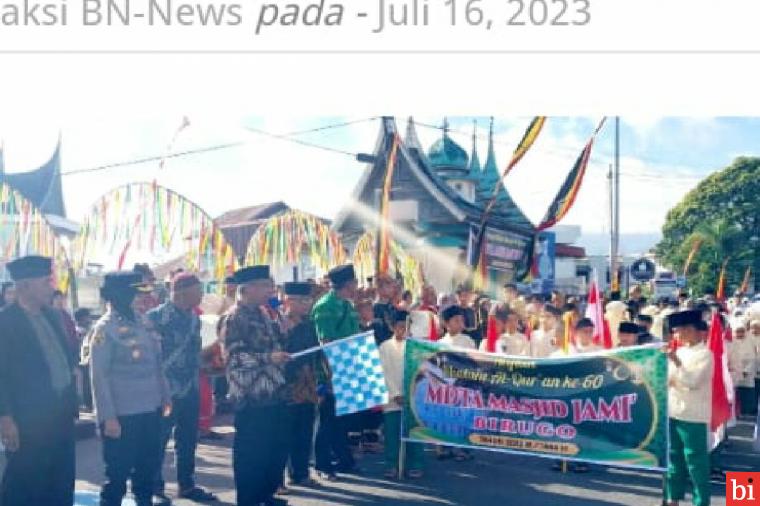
259	452
42	471
302	418
182	425
134	455
332	439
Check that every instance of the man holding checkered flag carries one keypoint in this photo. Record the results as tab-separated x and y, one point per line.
335	317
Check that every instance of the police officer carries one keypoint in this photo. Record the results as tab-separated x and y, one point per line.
256	373
129	390
38	400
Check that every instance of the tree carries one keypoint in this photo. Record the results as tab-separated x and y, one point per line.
723	212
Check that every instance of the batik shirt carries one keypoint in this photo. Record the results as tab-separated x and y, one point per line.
301	371
180	333
251	337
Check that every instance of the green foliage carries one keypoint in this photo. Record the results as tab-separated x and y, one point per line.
724	212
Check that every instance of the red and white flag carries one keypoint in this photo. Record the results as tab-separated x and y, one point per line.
722	386
595	313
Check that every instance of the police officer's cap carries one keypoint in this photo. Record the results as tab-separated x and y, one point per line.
30	267
342	274
689	318
122	283
628	328
298	288
252	273
452	311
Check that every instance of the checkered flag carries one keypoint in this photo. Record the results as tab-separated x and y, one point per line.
357	375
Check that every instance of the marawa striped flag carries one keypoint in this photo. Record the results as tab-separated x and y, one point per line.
720	292
565	198
692	253
384	255
745	282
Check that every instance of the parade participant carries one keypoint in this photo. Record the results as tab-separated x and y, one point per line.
743	361
510	293
407	300
180	330
645	322
557	299
754	334
129	390
335	318
69	325
497	322
147	299
301	335
689	401
38	400
7	294
453	320
584	339
464	298
628	334
366	315
256	374
543	342
511	341
383	308
584	343
424	321
615	312
83	319
392	359
636	302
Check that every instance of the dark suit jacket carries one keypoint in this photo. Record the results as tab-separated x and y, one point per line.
26	392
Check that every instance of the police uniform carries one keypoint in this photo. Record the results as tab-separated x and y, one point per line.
258	388
129	386
334	318
38	396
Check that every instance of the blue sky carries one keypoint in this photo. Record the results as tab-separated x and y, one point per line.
661	159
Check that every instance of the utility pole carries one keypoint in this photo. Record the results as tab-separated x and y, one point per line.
616	210
611	216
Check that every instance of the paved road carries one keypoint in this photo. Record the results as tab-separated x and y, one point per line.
490	479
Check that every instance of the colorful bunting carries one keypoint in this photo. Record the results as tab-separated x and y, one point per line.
145	220
285	238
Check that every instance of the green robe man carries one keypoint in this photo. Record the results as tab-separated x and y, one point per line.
335	317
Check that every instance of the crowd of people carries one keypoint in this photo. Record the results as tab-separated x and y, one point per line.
143	369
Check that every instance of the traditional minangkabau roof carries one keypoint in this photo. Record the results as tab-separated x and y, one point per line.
42	187
489	177
475	168
460	210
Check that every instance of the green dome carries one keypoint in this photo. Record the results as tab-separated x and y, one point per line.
445	153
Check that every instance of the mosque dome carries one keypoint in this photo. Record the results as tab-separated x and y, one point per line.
447	154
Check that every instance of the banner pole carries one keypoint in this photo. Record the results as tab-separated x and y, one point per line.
401	449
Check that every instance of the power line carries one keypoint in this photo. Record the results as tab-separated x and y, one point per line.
563	151
285	137
332	126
